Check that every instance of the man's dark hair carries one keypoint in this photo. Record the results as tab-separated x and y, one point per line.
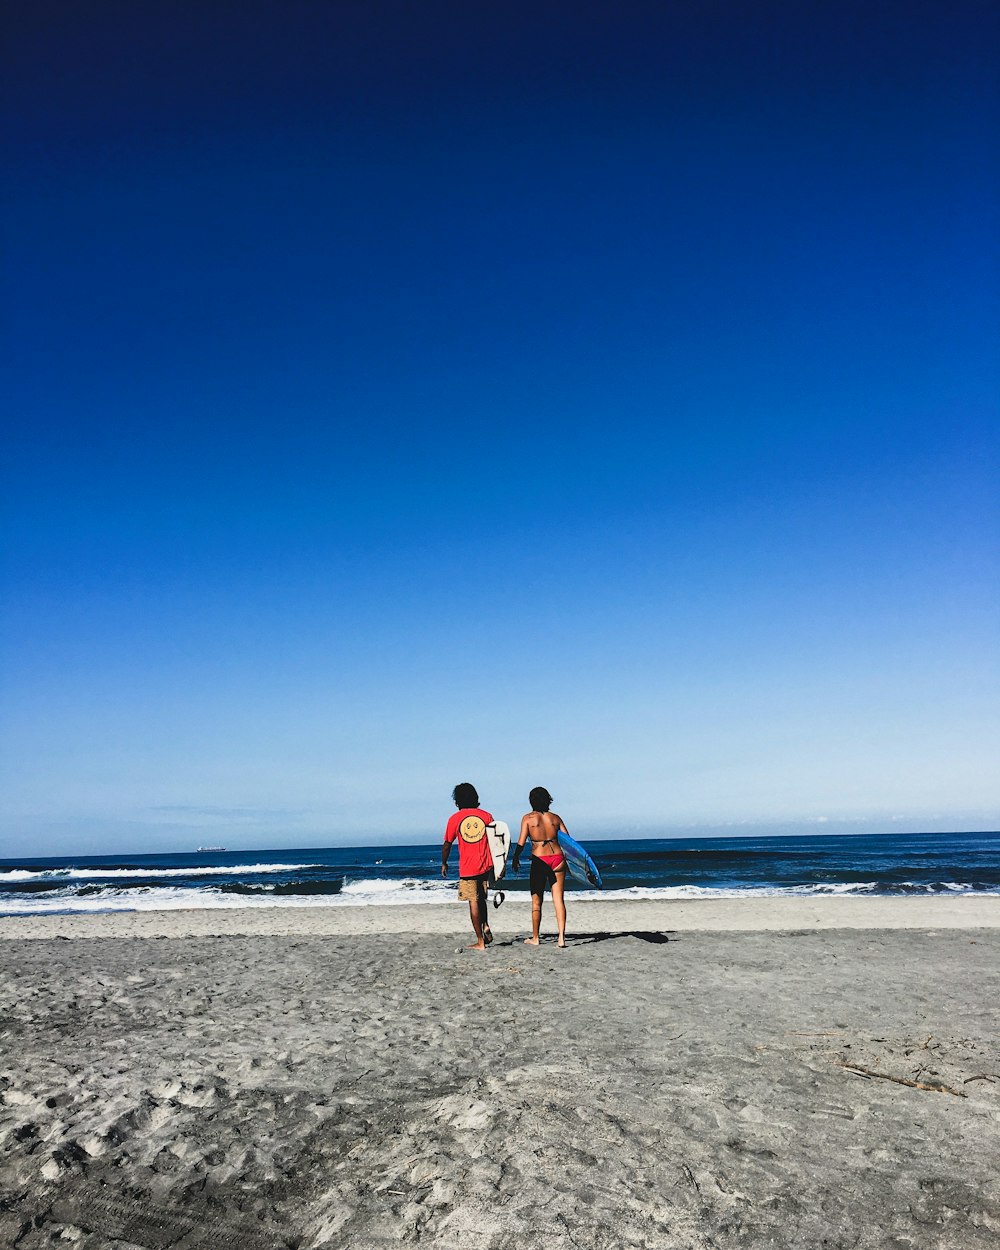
465	795
540	799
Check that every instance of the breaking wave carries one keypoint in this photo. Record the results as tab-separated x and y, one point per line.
381	891
118	872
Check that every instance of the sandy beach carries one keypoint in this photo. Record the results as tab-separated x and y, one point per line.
781	1073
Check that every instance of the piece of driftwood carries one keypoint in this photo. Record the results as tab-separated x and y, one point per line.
933	1087
984	1077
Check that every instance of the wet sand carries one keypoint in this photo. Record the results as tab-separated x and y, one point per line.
667	1084
759	913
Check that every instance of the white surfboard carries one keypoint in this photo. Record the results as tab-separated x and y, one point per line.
498	835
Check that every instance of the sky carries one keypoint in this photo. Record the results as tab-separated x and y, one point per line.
596	396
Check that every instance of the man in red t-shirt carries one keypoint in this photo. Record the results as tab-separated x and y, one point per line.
475	860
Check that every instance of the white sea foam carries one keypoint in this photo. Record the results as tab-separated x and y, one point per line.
681	892
385	890
824	890
176	898
380	891
95	872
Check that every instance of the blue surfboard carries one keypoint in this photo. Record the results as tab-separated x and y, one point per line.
580	864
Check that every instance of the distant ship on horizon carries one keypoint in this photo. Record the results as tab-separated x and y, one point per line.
204	849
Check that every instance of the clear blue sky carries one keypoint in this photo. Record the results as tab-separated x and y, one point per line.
596	396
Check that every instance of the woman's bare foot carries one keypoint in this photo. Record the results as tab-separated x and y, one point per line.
531	942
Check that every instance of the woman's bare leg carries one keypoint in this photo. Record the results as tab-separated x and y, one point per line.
536	920
557	902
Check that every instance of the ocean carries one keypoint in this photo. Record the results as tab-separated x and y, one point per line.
659	868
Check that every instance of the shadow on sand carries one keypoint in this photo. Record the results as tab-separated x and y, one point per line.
656	936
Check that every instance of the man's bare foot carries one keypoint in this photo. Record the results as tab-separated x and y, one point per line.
476	946
531	942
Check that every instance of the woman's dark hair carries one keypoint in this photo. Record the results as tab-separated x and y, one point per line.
540	799
465	795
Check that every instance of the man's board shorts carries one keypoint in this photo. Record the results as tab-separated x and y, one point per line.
474	887
542	876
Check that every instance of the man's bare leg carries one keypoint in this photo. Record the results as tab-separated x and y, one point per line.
484	913
536	920
477	925
557	902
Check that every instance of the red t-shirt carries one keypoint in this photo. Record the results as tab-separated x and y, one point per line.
469	827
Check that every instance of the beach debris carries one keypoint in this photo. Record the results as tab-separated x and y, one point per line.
985	1077
934	1087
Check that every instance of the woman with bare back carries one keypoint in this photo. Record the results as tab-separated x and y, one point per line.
548	863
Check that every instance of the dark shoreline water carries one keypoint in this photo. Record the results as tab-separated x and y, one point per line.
876	864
